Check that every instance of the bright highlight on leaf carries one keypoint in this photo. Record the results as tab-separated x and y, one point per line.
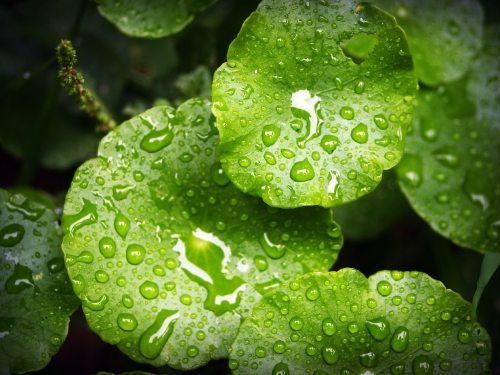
444	36
297	117
166	254
36	298
449	172
342	323
151	19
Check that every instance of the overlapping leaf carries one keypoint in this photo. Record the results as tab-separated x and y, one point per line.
450	169
165	253
301	123
36	298
393	323
151	19
443	36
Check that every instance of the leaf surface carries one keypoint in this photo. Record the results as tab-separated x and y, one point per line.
165	253
36	298
301	123
443	36
342	323
151	19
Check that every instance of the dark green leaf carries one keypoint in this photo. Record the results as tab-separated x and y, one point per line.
36	298
166	254
302	124
443	36
342	323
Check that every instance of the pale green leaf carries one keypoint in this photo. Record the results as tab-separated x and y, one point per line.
166	254
36	298
301	123
392	323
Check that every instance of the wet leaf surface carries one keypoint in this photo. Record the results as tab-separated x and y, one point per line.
166	254
36	298
342	323
301	123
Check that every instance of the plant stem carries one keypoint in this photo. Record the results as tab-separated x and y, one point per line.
491	261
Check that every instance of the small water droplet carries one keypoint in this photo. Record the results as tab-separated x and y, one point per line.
280	42
56	339
398	368
359	88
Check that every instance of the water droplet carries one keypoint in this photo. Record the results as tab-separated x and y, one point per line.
244	161
138	176
427	346
192	351
122	225
281	369
347	113
126	322
478	189
397	275
218	174
329	143
411	298
398	368
330	354
274	251
381	121
302	171
101	276
270	159
371	303
445	365
360	133
410	170
384	288
96	305
155	140
311	350
329	327
270	134
422	365
83	257
149	290
260	262
312	293
463	335
121	281
156	336
127	301
279	346
359	88
339	84
483	347
296	323
400	339
11	235
352	327
21	279
369	359
260	352
135	254
186	157
431	300
280	42
219	104
55	265
121	192
429	129
78	283
107	247
56	339
307	108
447	156
379	328
186	299
87	216
233	364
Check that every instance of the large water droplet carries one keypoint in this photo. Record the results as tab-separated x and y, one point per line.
155	140
27	208
21	279
281	369
121	192
149	289
379	328
156	336
478	189
96	305
410	170
400	339
359	88
135	254
11	235
260	262
312	293
107	247
330	354
463	335
360	133
445	365
422	365
127	322
369	359
218	174
329	143
274	251
398	368
83	257
55	265
447	156
122	225
347	113
270	159
296	323
381	121
270	134
87	216
302	171
329	327
384	288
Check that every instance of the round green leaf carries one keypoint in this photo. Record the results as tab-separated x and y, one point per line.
36	298
373	214
153	18
443	36
342	323
450	169
165	253
301	123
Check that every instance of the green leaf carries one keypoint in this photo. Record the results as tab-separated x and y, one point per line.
36	298
491	261
373	214
443	36
126	373
166	254
196	84
342	323
302	124
449	172
151	19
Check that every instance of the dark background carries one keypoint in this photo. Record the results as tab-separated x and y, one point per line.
29	32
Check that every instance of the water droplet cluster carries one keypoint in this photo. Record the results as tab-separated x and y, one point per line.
343	323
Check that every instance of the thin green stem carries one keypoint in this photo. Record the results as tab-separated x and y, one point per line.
491	261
